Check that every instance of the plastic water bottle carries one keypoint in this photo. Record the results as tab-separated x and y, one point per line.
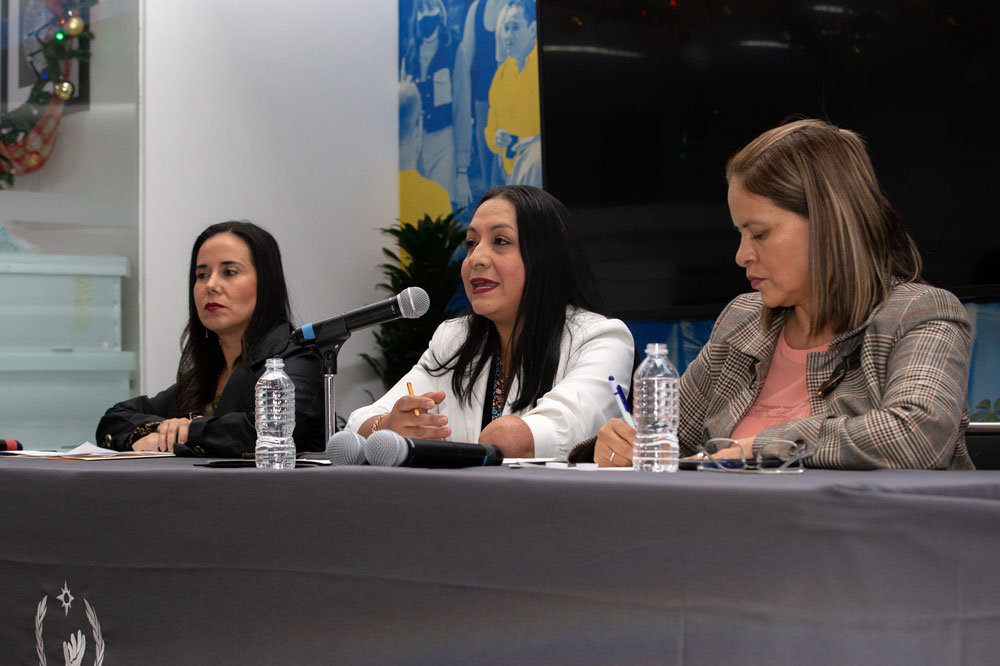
274	413
655	412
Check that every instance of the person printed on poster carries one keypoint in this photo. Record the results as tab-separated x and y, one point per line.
418	196
441	73
514	125
482	51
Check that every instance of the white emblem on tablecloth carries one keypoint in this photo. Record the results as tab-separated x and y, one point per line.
76	647
66	598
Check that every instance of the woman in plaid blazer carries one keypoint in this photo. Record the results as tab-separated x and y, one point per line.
841	347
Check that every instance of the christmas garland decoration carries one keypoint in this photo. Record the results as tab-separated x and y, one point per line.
28	133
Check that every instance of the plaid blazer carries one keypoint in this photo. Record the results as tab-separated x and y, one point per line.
901	397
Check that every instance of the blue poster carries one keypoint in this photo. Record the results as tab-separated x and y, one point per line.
469	115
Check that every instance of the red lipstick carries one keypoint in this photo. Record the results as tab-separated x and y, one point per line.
482	285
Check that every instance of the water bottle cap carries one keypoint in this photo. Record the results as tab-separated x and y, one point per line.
275	363
656	349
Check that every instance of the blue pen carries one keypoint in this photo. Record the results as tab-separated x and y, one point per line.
621	402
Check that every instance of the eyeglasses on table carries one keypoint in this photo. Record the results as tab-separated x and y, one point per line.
784	457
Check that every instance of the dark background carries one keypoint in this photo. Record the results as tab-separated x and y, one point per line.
643	101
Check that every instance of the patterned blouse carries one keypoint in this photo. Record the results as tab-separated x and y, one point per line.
499	390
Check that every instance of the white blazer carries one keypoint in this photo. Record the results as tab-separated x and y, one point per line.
593	348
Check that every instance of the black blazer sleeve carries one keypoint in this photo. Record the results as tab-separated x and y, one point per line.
230	432
117	424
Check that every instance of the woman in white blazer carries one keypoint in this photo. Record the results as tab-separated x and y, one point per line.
527	369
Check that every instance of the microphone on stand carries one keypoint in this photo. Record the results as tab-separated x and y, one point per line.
329	335
410	303
390	449
345	448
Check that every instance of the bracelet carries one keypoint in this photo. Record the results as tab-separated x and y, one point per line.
140	432
377	420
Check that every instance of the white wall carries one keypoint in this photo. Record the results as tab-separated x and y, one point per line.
281	113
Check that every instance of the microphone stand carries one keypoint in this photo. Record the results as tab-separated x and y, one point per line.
328	342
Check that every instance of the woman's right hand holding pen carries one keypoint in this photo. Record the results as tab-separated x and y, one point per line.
614	444
614	440
410	417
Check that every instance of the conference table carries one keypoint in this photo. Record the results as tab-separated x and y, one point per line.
166	561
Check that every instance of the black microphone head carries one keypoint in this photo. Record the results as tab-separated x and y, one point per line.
413	302
494	455
345	448
385	448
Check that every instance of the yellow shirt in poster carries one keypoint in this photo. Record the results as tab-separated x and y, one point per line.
514	105
419	196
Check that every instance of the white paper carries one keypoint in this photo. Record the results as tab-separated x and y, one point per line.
88	451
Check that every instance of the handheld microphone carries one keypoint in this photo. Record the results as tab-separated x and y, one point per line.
345	448
389	449
410	303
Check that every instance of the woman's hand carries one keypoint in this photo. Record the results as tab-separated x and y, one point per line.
168	433
512	435
614	444
736	448
401	419
739	447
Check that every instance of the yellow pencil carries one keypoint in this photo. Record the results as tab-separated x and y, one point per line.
409	387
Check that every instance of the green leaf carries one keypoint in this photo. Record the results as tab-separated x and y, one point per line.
431	245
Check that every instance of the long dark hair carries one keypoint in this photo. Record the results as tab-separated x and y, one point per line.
201	355
556	275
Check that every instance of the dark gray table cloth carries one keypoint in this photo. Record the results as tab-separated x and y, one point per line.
168	563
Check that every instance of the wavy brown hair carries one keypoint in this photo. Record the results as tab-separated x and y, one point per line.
858	246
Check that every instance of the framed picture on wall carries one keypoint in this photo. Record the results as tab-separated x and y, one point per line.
25	23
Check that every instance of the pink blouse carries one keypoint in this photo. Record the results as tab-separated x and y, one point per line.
784	395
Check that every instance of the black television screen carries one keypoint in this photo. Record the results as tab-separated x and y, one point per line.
643	101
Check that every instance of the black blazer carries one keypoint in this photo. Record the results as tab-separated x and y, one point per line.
230	432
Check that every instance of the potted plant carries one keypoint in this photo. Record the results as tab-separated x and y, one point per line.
424	257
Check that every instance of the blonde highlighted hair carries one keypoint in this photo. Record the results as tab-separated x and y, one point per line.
857	244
